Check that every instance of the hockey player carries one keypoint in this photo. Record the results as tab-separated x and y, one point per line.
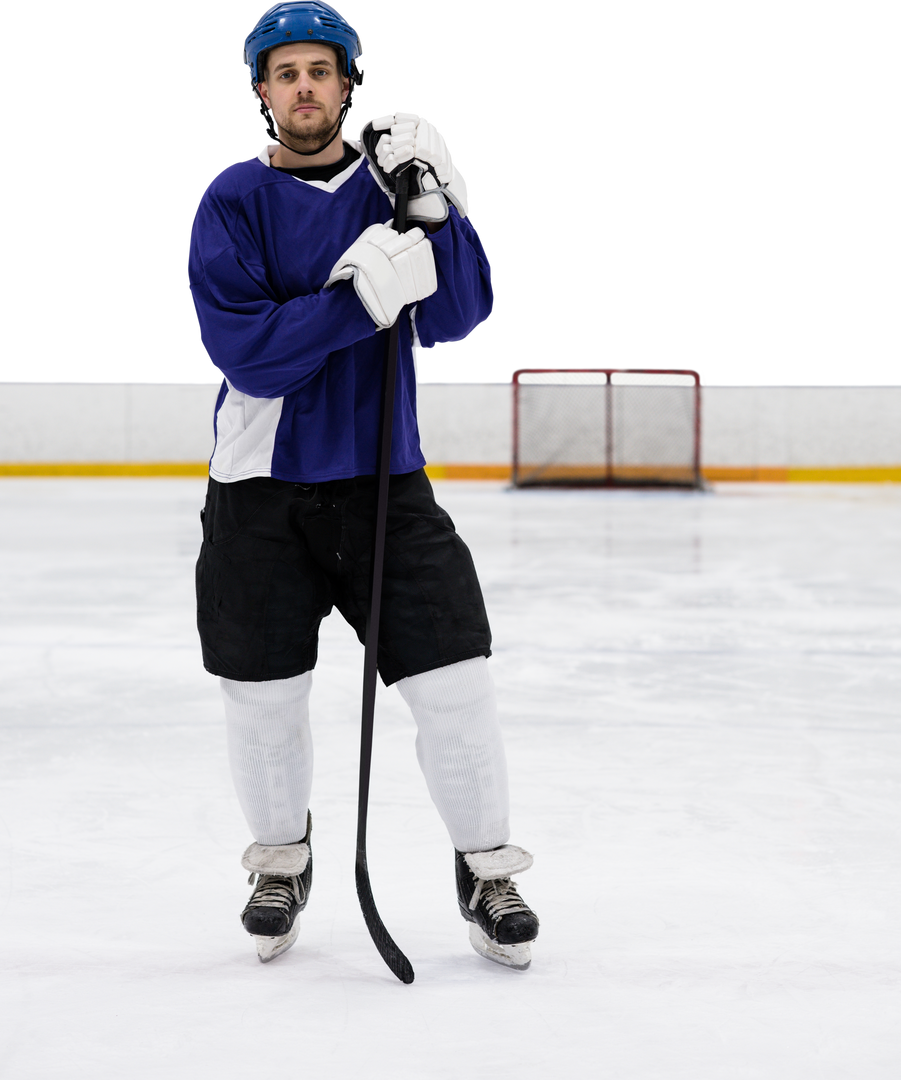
294	270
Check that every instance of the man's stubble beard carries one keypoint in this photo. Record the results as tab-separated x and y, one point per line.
308	133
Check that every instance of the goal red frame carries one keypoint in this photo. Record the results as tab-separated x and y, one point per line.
610	477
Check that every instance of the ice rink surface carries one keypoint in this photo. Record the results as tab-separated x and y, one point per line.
701	699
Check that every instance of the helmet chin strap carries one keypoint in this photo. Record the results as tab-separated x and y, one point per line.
270	126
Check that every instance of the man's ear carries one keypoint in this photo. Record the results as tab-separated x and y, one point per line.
346	90
263	91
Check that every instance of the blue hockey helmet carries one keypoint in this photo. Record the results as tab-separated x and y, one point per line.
303	20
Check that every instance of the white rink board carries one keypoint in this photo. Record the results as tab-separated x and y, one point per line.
464	424
700	699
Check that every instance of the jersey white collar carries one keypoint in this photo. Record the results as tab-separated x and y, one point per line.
268	152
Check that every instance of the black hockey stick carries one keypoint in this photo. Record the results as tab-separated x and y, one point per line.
390	953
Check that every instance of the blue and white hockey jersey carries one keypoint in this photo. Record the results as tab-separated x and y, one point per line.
302	364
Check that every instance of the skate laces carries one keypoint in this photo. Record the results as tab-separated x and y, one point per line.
498	896
275	892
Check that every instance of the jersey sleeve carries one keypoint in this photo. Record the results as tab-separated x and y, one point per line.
264	346
464	297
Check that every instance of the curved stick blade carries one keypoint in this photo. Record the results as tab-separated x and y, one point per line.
388	950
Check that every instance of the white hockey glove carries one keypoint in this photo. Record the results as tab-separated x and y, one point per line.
389	269
392	141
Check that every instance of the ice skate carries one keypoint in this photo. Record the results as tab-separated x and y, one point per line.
282	875
502	925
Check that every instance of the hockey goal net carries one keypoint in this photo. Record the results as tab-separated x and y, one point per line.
606	427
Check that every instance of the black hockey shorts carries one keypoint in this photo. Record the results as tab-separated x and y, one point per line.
277	556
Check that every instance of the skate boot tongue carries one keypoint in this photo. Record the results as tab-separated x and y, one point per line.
500	863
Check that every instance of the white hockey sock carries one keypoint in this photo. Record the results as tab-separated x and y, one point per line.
270	750
461	751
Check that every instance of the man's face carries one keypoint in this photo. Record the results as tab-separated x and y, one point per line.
304	89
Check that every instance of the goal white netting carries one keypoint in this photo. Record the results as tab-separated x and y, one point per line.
606	427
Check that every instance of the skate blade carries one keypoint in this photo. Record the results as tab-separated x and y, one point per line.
268	948
514	956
